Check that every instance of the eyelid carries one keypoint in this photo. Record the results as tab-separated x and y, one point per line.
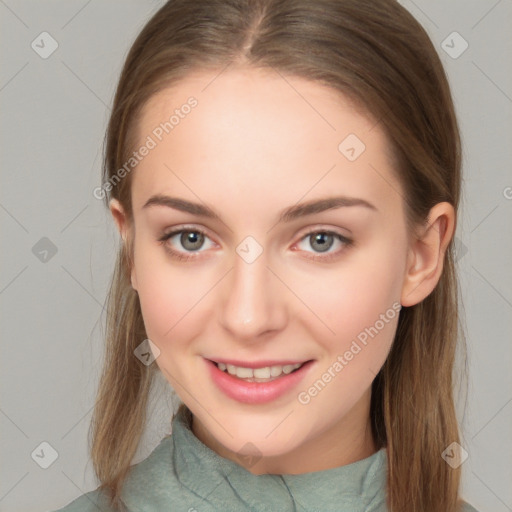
301	234
187	227
322	228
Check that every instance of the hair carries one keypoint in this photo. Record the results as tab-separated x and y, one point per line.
376	54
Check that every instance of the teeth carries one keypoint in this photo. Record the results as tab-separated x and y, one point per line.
258	373
263	373
275	371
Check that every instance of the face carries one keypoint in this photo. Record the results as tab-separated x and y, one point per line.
252	285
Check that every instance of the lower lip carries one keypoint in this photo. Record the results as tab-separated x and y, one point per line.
256	392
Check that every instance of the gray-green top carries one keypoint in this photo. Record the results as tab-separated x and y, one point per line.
183	474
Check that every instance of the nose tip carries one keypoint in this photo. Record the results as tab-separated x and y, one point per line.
253	304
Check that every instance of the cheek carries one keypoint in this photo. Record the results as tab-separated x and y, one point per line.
362	296
165	293
361	304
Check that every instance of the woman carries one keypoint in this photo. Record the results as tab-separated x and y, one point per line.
285	176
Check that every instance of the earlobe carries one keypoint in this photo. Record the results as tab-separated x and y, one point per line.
426	255
134	280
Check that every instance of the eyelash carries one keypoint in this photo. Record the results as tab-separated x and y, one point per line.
347	242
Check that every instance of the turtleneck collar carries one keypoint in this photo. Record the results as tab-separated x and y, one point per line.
359	486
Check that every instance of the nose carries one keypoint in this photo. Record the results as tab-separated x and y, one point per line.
255	300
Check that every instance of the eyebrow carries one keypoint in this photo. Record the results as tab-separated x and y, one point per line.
287	215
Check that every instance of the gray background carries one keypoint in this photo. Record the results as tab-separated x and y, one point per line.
54	114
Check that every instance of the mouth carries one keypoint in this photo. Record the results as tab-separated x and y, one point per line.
259	372
258	383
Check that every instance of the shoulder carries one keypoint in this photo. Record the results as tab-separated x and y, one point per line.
139	485
94	501
466	507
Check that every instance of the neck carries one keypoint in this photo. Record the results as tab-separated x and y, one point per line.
347	441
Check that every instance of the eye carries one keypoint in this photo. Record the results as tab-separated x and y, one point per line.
191	240
322	241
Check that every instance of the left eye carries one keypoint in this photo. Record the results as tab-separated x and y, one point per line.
322	241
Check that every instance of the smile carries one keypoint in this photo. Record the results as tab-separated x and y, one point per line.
265	374
260	384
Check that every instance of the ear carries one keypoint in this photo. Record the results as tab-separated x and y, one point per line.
426	255
124	229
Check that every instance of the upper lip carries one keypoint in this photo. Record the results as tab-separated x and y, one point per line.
258	364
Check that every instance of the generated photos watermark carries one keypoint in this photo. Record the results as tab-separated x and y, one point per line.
157	135
305	397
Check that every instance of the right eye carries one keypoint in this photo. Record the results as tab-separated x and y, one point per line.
191	240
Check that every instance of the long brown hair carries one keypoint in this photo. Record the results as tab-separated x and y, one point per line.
377	54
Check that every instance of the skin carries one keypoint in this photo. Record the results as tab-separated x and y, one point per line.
254	145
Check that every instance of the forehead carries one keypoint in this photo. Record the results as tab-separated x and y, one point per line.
265	97
260	134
